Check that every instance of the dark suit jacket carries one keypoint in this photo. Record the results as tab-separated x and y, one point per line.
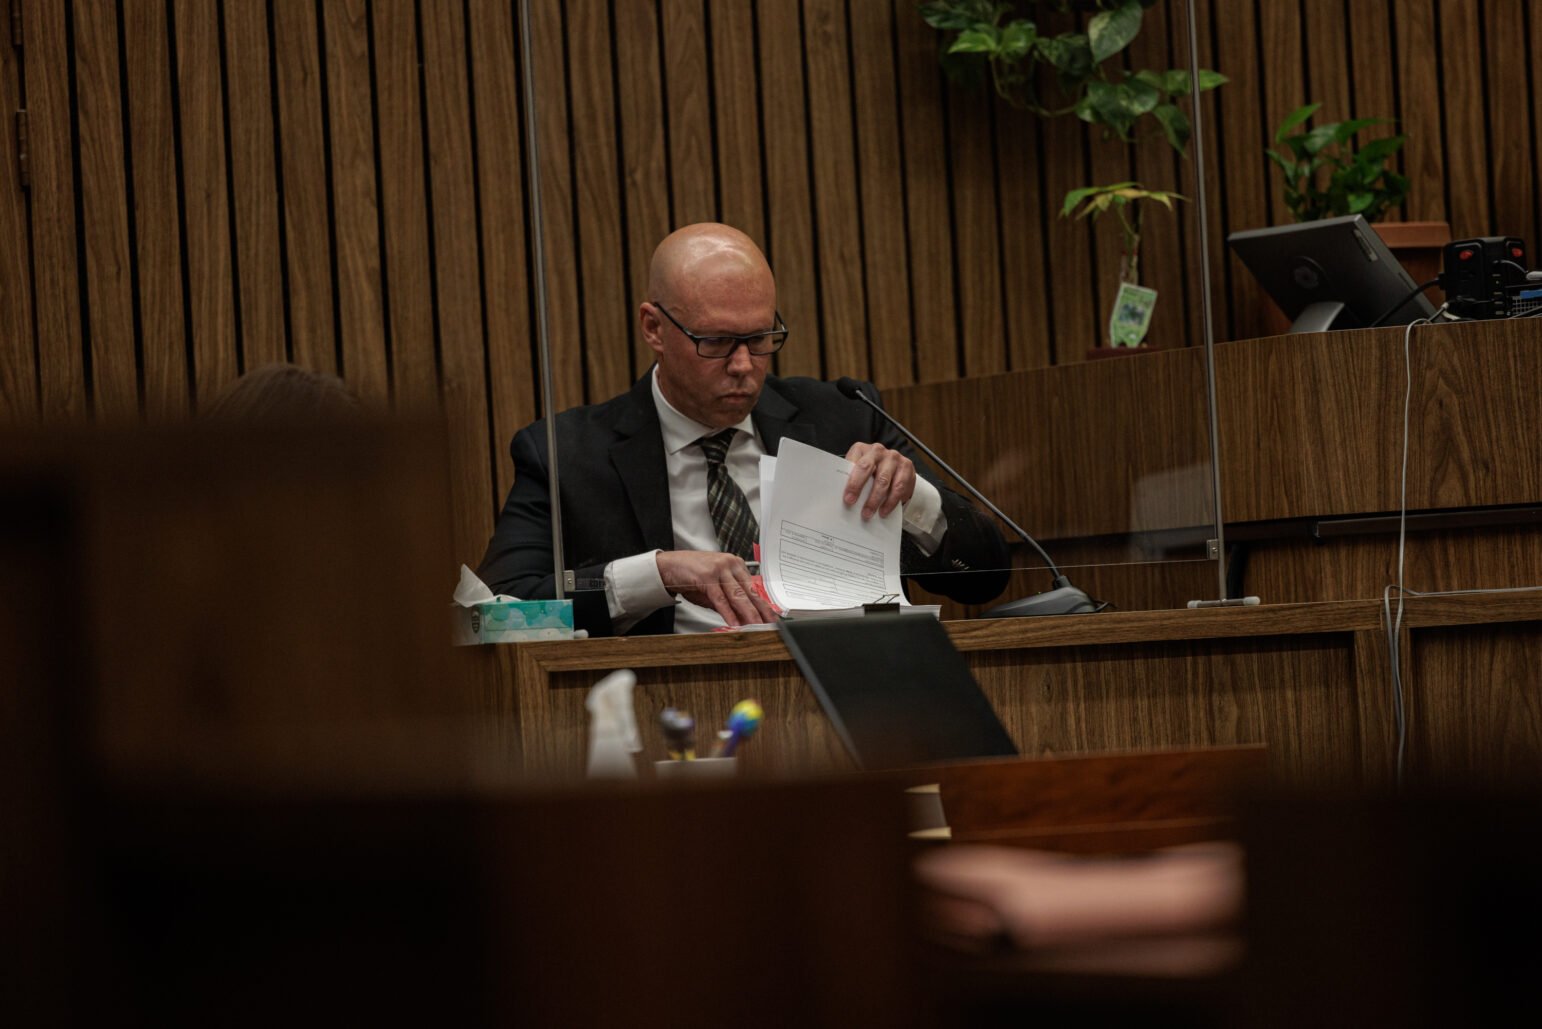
615	497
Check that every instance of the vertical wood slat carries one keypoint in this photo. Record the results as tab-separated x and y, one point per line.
1023	209
926	197
55	266
605	313
404	199
1372	68
1325	45
553	129
447	105
158	228
1248	176
882	217
361	312
104	210
843	321
306	207
210	277
975	218
791	222
505	270
645	182
18	360
1281	79
1509	161
1188	182
1534	25
1109	162
687	90
1070	272
1421	91
254	184
1166	265
1461	86
736	127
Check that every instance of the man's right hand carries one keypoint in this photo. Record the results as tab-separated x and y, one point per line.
719	581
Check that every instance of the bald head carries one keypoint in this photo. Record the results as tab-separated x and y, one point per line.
703	261
712	280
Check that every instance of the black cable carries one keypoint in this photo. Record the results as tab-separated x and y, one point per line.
1399	305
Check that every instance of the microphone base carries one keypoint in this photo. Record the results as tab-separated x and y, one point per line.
1062	600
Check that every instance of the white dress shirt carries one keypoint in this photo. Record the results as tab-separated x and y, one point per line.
633	586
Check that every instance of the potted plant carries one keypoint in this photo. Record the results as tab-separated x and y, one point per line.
1131	315
1327	176
1083	73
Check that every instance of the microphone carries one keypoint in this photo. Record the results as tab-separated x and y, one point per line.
1061	599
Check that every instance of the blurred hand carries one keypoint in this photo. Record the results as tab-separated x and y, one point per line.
893	475
719	581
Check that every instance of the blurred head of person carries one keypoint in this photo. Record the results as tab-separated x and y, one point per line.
285	394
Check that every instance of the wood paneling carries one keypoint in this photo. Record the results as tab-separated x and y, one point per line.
254	185
356	206
157	224
18	354
1297	678
346	184
305	188
103	157
210	285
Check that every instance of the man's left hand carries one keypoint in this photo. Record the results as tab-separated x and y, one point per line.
893	475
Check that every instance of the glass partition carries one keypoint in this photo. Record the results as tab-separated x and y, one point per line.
912	225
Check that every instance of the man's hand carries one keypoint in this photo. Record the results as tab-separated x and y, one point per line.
893	475
719	581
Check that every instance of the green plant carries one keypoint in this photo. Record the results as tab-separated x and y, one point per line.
1087	82
1124	200
1358	181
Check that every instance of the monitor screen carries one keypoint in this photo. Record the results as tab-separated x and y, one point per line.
895	690
1336	273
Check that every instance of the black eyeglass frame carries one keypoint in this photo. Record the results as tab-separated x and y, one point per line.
778	333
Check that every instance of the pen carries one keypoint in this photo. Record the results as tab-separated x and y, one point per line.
743	720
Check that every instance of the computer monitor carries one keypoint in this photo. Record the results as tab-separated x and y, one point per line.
1336	273
896	690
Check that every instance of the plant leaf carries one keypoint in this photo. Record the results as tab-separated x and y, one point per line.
1111	31
1175	124
1016	41
1294	119
1346	129
1211	79
982	40
1381	149
1319	138
1358	202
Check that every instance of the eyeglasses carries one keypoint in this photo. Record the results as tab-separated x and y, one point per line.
767	341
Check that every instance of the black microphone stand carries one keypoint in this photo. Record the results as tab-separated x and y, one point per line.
1061	599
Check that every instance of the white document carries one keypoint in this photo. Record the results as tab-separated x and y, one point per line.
815	552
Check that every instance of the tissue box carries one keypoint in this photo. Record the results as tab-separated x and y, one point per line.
514	621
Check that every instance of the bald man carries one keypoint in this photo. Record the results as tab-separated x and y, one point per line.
638	528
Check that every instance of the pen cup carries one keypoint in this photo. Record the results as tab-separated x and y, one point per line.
701	768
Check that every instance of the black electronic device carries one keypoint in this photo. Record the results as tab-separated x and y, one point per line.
1060	599
896	690
1335	273
1486	277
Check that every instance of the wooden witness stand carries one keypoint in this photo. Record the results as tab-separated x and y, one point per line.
1311	441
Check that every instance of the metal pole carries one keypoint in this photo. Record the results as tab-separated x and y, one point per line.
543	340
1203	209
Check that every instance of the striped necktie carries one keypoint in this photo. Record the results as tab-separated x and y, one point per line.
737	530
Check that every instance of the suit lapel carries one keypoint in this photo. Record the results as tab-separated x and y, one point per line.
775	419
638	459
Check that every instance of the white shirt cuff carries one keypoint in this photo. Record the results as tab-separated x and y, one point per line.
924	518
634	589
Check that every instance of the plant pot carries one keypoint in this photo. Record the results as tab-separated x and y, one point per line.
1418	247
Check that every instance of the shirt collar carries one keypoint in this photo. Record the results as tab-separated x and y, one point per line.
680	431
